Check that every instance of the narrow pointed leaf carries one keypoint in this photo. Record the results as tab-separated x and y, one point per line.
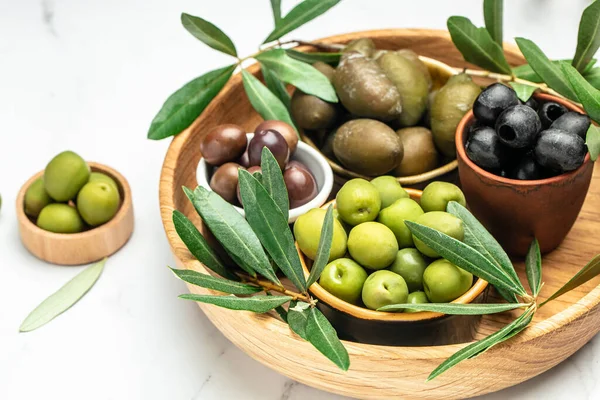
271	227
506	295
476	45
324	247
187	103
276	86
304	76
523	91
588	96
310	58
591	270
533	267
464	256
276	8
198	246
306	11
257	304
64	298
455	308
592	140
298	317
323	336
493	16
272	180
588	38
593	77
214	283
280	310
208	33
546	69
263	100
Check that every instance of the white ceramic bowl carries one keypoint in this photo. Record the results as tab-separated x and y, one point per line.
316	163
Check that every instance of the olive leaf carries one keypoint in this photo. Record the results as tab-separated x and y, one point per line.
492	15
299	15
523	91
276	8
187	103
263	100
280	310
298	317
588	96
271	227
324	247
323	336
214	283
257	304
533	267
588	38
527	73
208	33
198	246
546	69
64	298
272	179
276	86
456	308
593	77
591	270
592	140
310	58
476	45
303	76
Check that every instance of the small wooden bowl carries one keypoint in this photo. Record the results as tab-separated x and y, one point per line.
362	325
516	211
84	247
440	73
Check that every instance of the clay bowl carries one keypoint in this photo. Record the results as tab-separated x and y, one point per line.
440	73
516	211
84	247
362	325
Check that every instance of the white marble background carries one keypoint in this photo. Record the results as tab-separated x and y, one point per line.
89	75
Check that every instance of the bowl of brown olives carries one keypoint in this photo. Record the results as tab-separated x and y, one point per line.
524	166
227	148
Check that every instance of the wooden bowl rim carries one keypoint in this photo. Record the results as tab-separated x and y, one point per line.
364	313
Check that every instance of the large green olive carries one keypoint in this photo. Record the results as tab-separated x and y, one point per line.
36	198
414	58
365	90
368	147
420	154
437	195
98	202
383	288
372	245
365	46
100	177
60	218
411	83
394	216
65	175
444	282
410	264
307	231
450	104
443	222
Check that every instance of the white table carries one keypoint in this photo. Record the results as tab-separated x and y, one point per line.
89	76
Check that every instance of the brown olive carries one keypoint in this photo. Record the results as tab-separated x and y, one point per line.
223	143
300	184
224	181
244	161
296	164
252	170
420	153
325	69
286	130
273	141
312	113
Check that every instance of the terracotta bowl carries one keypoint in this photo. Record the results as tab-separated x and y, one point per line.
359	324
516	211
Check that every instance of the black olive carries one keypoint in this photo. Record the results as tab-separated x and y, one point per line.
518	126
532	103
550	112
560	150
484	148
492	101
573	122
528	169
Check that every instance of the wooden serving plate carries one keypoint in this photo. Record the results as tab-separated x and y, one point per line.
384	372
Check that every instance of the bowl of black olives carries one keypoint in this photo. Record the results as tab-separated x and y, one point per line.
524	166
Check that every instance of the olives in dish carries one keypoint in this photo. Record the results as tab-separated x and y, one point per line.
223	143
573	122
550	112
300	184
492	102
560	150
528	169
518	126
485	149
272	140
284	129
224	181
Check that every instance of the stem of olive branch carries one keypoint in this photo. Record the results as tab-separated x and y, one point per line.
267	285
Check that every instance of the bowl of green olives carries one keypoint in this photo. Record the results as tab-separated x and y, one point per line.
524	167
74	212
375	262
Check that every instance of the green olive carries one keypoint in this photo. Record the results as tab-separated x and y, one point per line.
414	58
100	177
410	264
65	175
443	222
365	46
60	218
437	195
36	198
444	282
98	202
420	153
417	297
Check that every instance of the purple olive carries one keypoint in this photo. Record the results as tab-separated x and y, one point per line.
301	185
252	170
224	181
223	143
273	141
286	130
244	160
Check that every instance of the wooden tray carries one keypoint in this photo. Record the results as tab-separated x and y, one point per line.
382	372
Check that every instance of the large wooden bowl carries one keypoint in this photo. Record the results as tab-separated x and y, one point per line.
384	372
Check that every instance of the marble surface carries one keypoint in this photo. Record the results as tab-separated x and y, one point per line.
89	75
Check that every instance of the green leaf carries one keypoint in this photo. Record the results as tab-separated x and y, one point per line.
208	33
211	282
311	58
299	15
588	39
324	247
298	317
523	91
232	231
477	46
198	246
455	308
304	76
280	310
263	100
276	7
593	77
546	69
276	86
464	256
588	96
533	267
592	140
272	179
63	298
492	14
591	270
257	304
321	334
527	73
508	296
187	103
271	227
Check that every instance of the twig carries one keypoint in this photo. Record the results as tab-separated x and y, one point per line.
267	285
